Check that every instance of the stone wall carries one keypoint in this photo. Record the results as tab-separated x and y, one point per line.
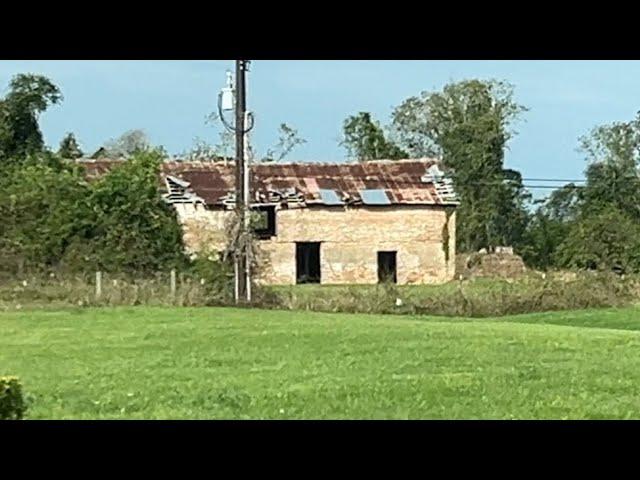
350	239
203	229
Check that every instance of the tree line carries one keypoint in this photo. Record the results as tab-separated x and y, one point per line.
54	217
468	125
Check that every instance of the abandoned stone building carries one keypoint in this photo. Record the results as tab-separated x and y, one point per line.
341	223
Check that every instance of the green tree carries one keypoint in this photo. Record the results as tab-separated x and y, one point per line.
605	239
69	147
613	154
365	140
29	95
549	227
602	218
43	212
132	228
468	124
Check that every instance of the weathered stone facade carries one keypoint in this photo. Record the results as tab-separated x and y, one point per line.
378	219
422	235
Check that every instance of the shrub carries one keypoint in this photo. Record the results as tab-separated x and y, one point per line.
213	277
12	404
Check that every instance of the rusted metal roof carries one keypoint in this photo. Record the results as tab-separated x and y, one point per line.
405	182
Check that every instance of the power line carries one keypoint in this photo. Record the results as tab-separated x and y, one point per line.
553	180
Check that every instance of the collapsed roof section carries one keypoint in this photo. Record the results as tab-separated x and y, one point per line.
380	182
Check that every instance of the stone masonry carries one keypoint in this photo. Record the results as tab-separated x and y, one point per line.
350	239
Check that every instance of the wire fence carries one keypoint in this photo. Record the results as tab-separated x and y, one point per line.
104	289
484	297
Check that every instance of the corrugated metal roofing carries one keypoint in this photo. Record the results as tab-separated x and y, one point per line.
405	182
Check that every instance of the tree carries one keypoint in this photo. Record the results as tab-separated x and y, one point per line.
549	226
29	95
201	150
601	219
365	140
606	240
127	144
69	147
118	223
613	153
467	124
132	229
43	212
288	140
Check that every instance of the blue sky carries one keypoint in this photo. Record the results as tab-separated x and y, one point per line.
170	99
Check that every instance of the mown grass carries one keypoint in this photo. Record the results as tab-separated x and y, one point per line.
169	363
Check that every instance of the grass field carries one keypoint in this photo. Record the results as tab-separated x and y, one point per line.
166	363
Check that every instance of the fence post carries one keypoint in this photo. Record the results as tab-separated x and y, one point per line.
98	285
173	284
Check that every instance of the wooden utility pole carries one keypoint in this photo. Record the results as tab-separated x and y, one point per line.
241	265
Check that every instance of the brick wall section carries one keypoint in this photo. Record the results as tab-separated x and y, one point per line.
351	238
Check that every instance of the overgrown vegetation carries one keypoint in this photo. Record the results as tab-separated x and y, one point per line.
288	140
204	283
69	148
474	298
55	222
54	218
209	283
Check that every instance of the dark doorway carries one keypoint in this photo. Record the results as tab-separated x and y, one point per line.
387	267
308	262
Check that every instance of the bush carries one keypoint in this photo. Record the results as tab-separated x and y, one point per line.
12	404
215	279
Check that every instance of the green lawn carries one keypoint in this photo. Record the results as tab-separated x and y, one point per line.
164	363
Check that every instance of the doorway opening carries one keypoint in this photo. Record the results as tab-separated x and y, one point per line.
308	262
387	267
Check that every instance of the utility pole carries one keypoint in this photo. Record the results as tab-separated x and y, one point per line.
241	266
235	99
247	201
